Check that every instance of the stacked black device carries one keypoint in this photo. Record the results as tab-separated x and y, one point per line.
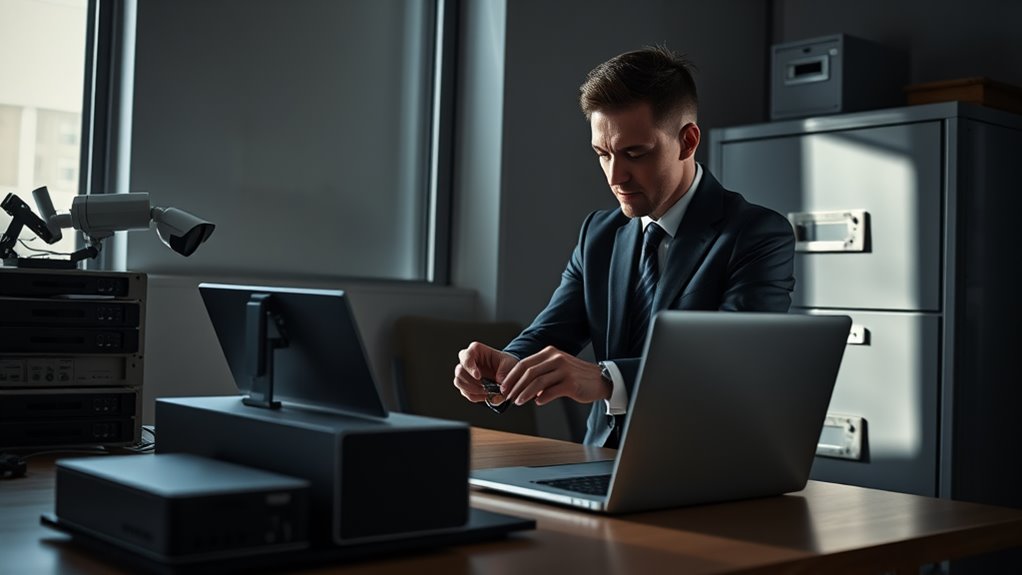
71	357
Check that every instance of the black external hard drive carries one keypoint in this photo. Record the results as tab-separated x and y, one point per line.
180	508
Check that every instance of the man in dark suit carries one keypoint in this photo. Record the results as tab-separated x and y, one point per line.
678	241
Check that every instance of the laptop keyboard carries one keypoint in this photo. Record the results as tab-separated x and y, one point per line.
591	484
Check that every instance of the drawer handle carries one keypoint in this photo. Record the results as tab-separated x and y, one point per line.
858	335
834	231
842	437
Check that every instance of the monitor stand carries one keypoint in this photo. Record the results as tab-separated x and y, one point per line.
264	334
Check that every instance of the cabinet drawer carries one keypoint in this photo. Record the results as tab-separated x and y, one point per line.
887	178
890	380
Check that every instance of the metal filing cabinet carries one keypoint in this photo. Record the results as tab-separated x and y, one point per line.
904	221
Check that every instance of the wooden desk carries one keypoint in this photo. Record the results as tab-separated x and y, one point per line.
827	528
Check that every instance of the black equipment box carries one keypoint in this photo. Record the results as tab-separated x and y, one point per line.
69	312
68	340
833	74
180	507
49	403
62	283
372	479
71	357
57	417
62	432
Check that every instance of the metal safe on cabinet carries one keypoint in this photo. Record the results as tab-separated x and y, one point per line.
904	220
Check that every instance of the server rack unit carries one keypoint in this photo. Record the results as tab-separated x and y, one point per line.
903	219
71	357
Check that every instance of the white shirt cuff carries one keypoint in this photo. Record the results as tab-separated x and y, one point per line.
618	402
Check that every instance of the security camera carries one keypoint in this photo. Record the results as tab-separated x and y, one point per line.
181	231
98	217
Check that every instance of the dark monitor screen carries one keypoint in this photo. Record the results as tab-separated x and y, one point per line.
323	365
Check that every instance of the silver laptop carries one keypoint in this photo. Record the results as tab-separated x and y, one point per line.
726	406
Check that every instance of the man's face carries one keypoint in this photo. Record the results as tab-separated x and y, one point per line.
644	163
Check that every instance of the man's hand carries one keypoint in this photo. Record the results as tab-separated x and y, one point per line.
477	362
552	373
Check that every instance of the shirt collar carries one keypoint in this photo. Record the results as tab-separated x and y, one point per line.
671	219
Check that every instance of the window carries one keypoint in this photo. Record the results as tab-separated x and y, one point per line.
69	133
302	129
67	172
10	145
57	159
42	64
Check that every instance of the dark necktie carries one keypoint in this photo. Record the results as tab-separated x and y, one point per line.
645	287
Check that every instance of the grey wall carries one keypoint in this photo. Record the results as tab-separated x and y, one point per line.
475	221
946	39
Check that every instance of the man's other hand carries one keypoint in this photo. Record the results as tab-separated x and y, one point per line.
552	373
478	362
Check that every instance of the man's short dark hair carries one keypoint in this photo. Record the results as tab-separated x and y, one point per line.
654	74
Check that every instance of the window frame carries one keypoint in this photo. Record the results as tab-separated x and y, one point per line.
102	96
441	185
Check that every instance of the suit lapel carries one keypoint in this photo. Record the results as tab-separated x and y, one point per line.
695	235
622	266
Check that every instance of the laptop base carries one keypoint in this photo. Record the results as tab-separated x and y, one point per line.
523	481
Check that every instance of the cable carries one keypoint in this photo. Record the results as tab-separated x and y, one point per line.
40	250
13	465
89	451
144	445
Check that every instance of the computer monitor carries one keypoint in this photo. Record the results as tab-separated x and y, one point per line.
322	363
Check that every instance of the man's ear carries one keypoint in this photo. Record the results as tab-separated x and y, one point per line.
689	137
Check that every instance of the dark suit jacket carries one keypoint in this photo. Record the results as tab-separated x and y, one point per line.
727	255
